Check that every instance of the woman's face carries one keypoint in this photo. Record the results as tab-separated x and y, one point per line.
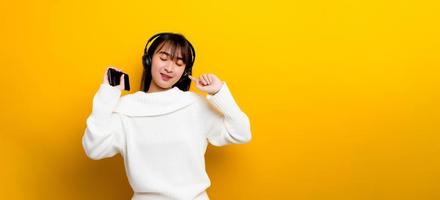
166	71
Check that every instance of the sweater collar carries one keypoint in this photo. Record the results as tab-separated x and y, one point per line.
156	103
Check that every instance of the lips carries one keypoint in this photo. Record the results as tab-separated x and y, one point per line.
165	77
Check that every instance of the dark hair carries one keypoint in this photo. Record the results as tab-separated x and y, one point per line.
176	41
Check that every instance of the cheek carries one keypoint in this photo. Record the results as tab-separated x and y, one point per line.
157	64
180	72
181	69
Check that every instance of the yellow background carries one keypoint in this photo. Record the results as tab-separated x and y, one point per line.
343	96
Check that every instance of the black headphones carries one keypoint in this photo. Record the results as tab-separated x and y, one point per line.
147	59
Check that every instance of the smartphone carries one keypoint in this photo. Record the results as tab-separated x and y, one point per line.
114	78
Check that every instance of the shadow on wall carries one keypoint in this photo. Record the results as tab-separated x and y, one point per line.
63	171
67	173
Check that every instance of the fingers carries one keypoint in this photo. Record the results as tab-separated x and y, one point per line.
105	76
105	73
121	83
204	79
192	78
122	78
210	78
117	69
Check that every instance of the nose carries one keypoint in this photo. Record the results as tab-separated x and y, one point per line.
169	67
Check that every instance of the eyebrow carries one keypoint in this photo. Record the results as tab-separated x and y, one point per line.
168	54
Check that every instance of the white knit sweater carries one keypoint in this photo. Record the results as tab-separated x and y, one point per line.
163	137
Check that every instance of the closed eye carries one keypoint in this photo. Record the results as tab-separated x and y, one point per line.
164	56
179	62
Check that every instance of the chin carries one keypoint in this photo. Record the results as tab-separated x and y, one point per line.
165	84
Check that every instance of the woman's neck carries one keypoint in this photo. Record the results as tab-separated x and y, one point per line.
155	88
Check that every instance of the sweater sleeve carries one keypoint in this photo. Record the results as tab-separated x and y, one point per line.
230	125
103	135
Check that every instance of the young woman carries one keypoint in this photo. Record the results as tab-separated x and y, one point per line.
163	131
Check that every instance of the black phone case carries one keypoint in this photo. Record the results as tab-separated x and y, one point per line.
114	78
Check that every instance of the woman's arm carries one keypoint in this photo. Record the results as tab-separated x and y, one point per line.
103	135
230	125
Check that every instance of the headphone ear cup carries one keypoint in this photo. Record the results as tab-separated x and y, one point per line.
146	60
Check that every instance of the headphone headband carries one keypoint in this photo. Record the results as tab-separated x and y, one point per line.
193	53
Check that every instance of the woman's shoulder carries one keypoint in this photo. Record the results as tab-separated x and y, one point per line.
137	104
203	104
195	96
200	99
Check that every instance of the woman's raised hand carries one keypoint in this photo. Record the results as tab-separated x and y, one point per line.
208	83
121	83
